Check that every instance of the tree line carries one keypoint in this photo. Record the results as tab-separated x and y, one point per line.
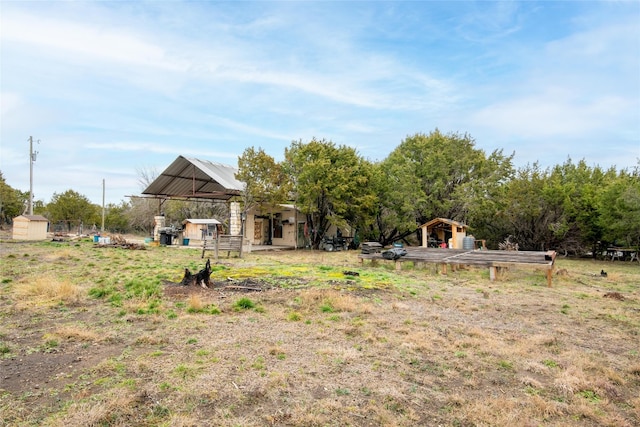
571	207
72	212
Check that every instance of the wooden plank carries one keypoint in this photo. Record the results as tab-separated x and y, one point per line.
484	258
224	242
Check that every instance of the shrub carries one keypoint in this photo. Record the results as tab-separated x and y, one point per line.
243	303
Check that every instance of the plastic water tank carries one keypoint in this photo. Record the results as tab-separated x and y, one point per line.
469	243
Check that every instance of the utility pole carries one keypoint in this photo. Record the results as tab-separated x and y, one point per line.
102	227
32	158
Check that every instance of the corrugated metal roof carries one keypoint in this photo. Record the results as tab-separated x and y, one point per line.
190	177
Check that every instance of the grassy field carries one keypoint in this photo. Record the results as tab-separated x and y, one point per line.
99	336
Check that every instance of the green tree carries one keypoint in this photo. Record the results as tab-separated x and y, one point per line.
12	201
438	175
538	211
571	194
332	185
72	209
266	184
116	219
619	208
556	208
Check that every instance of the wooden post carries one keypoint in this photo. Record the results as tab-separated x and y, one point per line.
444	269
549	276
398	266
492	273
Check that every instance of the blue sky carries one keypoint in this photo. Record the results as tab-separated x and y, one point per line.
112	88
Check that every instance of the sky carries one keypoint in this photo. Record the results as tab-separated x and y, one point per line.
109	90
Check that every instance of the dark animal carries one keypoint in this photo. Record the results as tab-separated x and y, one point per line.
187	279
350	273
201	278
603	273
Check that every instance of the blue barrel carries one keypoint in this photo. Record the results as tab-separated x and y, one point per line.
469	243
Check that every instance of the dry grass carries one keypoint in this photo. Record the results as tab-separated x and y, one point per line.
78	333
318	348
45	290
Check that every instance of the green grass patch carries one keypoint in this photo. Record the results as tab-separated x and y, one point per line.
243	303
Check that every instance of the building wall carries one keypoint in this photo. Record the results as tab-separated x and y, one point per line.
235	219
284	227
457	235
194	231
25	229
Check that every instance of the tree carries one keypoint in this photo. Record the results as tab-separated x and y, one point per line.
73	210
12	202
116	219
332	185
143	210
571	194
265	182
619	209
557	208
176	211
526	214
437	175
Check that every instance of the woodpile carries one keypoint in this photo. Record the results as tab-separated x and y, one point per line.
508	245
118	241
371	247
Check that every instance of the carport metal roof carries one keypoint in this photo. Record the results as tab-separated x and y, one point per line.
189	178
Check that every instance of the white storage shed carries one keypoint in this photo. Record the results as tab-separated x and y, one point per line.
30	227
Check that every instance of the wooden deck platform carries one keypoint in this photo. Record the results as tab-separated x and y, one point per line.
495	260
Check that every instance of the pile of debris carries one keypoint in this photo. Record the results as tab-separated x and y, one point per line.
371	247
118	241
508	245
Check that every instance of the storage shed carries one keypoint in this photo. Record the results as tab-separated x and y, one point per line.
440	230
30	227
200	228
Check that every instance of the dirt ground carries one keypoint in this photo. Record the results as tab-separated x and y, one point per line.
313	345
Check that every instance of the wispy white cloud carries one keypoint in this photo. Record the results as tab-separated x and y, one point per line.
88	42
108	86
147	148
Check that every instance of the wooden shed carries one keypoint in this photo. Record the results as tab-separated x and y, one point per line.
30	227
200	228
440	230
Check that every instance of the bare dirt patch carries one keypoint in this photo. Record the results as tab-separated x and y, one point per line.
290	339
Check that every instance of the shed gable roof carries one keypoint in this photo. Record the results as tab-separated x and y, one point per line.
447	221
194	178
201	221
31	218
